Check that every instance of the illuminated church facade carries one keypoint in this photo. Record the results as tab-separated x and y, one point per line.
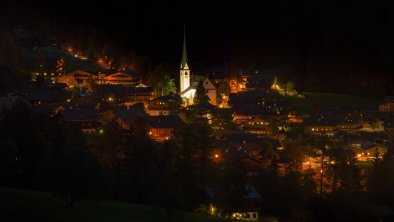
189	83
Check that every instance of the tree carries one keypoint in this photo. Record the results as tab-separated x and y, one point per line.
11	72
223	90
161	81
60	65
294	153
8	162
381	182
93	47
166	85
9	53
289	88
109	146
92	85
230	187
201	95
205	150
74	172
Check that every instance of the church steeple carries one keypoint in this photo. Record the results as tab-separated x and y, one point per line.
184	73
184	64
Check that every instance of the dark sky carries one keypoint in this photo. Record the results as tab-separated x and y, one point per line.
304	38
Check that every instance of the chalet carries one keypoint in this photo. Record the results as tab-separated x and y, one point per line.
163	128
258	126
48	97
82	118
367	150
349	123
389	127
127	117
164	105
248	112
324	123
55	86
48	109
77	78
118	78
112	93
387	105
202	110
139	93
249	211
249	149
294	118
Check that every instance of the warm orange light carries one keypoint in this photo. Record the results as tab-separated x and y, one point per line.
216	156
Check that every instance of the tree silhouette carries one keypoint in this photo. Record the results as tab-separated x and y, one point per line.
201	95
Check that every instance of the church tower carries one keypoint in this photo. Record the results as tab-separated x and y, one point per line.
184	69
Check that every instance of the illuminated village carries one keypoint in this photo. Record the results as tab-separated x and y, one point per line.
243	145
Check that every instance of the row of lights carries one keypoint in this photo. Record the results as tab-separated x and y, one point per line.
317	129
257	123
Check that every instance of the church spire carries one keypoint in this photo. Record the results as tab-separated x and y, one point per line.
184	64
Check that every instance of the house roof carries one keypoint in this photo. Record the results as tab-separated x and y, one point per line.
128	116
170	121
80	114
388	99
168	98
46	109
251	192
111	89
204	107
244	138
139	90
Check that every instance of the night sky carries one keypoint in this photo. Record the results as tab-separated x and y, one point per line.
302	38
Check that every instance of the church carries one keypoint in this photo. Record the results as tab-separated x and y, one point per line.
189	82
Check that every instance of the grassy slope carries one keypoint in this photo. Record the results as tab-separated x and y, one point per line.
331	100
24	205
70	63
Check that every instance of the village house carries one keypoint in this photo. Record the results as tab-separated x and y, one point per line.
250	211
257	126
80	79
387	105
127	117
367	150
320	126
162	128
164	105
84	118
48	109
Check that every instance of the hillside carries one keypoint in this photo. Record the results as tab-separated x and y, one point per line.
330	100
25	205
